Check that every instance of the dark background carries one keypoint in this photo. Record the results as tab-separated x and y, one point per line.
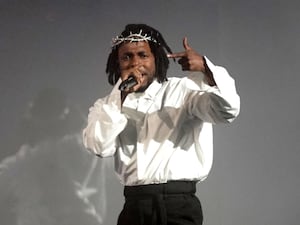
65	43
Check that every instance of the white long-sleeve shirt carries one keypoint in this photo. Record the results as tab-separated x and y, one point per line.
164	133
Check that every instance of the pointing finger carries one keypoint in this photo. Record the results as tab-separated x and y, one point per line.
181	54
176	55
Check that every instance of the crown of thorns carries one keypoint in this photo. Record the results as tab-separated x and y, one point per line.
136	37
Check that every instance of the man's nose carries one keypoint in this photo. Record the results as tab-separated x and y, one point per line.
135	62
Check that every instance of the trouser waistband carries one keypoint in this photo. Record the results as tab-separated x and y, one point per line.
171	187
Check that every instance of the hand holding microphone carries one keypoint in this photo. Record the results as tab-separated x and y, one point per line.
128	83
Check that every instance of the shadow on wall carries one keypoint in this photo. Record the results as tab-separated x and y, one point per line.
52	179
49	117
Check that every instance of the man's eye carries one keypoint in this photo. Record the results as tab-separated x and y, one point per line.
125	58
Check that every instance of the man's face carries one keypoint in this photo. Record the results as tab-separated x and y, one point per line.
136	58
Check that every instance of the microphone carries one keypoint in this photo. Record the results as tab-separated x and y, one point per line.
129	83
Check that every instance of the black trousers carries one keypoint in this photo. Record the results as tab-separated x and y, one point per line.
173	203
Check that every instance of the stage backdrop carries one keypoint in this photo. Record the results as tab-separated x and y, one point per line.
53	56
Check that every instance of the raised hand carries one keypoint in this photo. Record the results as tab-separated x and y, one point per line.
189	59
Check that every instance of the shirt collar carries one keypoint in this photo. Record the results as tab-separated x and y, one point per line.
141	101
150	92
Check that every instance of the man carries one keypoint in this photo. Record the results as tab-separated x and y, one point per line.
159	129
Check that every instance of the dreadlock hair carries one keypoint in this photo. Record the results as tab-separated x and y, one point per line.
157	45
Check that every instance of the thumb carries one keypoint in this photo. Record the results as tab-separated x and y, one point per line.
185	44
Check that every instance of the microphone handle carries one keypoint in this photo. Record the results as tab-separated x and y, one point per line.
127	84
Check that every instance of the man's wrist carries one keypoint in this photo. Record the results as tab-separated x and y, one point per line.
208	74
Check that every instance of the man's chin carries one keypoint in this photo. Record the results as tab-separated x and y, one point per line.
144	87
